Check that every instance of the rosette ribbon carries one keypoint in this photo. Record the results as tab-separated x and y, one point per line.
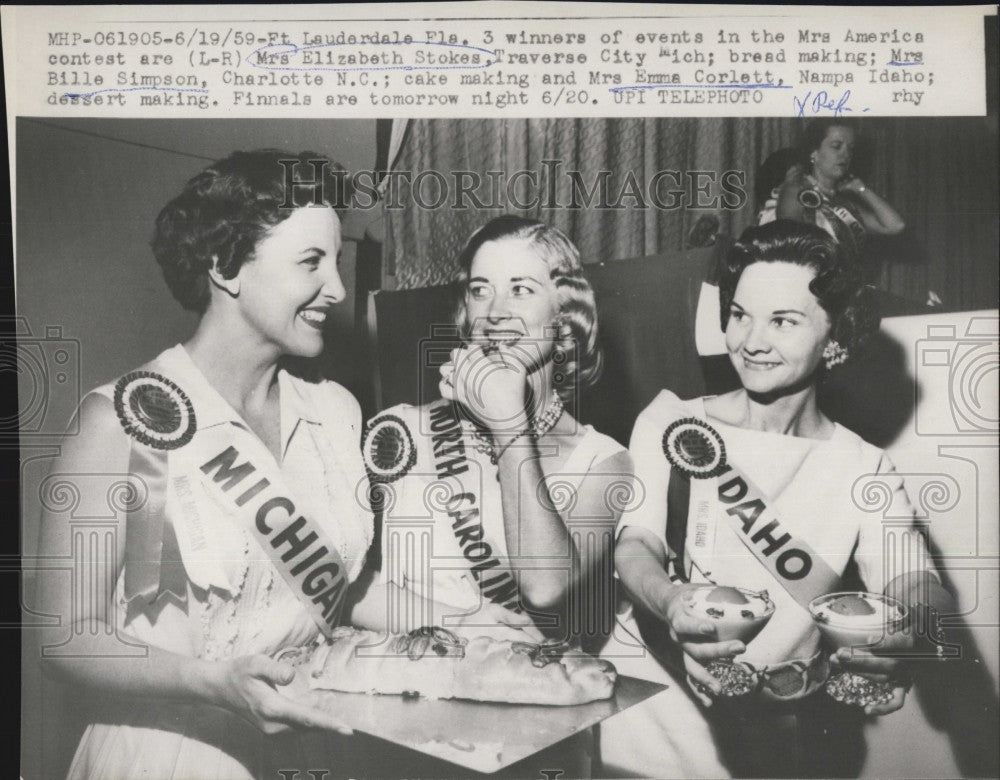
702	476
158	417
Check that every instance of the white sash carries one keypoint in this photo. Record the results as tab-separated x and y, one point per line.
444	454
695	448
250	484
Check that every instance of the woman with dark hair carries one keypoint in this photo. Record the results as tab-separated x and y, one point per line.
822	189
521	499
754	490
237	483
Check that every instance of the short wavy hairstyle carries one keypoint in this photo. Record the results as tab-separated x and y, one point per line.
223	213
839	284
815	133
576	348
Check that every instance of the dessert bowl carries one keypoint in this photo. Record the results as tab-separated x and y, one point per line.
738	613
858	619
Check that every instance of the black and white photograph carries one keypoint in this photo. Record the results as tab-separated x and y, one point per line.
545	447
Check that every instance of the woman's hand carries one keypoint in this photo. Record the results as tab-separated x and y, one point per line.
499	623
874	211
852	184
697	638
491	382
248	688
878	665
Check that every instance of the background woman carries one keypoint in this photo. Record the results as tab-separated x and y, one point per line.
794	306
214	449
823	190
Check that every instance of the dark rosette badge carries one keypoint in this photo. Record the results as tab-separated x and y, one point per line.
695	448
388	449
154	411
811	199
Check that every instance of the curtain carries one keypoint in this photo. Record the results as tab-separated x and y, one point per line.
938	172
941	174
571	157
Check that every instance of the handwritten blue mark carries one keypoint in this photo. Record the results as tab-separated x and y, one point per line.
822	101
768	85
291	50
78	95
895	64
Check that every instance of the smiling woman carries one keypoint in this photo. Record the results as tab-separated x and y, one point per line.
286	292
776	340
241	527
517	497
753	490
525	469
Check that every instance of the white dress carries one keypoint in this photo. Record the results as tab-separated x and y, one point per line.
452	553
455	552
815	487
237	603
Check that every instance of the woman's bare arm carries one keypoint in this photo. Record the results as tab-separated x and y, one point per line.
554	560
93	463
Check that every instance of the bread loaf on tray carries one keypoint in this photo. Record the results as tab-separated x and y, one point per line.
437	664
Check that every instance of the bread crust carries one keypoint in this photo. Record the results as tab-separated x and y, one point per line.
436	664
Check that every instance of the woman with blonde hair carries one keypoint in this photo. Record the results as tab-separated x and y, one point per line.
530	496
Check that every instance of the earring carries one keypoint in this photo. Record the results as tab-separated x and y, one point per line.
834	354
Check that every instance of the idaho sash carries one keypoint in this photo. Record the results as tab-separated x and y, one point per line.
444	450
248	483
697	451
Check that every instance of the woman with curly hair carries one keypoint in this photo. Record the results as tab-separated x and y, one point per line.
751	492
241	527
519	496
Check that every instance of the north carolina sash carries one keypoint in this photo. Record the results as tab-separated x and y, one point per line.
247	482
695	449
448	458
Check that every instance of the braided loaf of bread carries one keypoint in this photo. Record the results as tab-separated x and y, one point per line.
436	664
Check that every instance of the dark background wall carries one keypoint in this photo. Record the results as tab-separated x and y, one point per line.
88	192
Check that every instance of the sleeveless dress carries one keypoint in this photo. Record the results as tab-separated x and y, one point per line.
816	489
237	603
443	539
453	552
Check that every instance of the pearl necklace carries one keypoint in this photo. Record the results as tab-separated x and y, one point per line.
485	445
